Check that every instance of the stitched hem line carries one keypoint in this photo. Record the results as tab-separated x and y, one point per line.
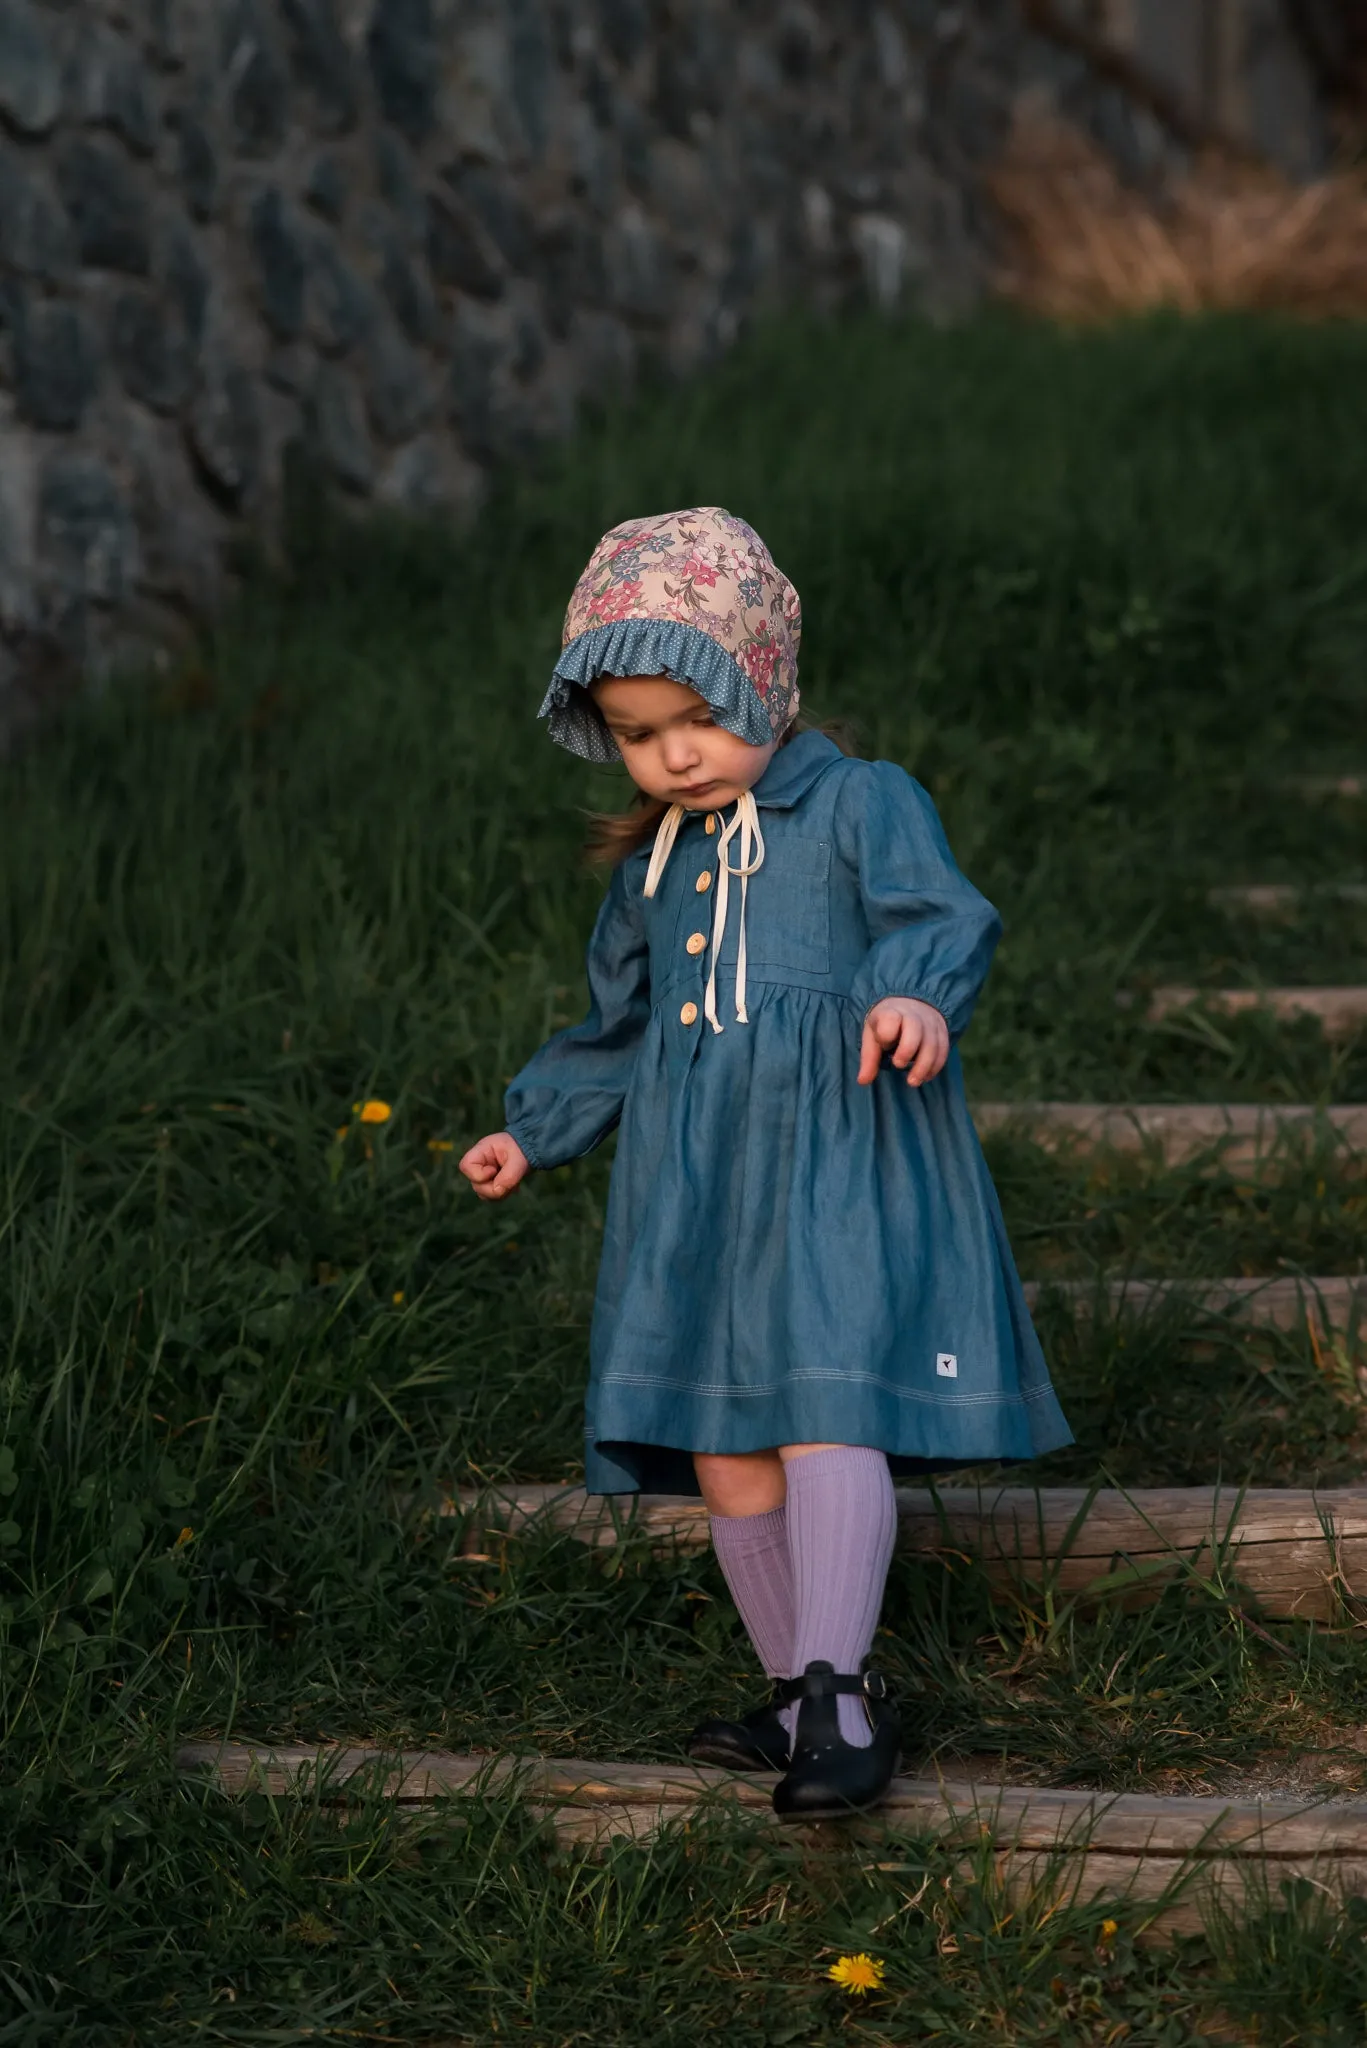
774	1389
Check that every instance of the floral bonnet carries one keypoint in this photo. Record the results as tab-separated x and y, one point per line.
694	595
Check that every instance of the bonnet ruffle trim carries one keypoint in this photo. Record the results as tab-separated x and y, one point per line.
647	647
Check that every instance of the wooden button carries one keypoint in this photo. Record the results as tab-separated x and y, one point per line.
689	1014
704	882
697	941
711	824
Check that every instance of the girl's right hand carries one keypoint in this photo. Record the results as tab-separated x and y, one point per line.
494	1166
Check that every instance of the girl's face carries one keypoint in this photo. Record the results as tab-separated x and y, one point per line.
671	746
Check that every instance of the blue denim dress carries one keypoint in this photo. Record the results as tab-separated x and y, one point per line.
789	1257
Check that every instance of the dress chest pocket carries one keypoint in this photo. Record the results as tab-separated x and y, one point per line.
788	916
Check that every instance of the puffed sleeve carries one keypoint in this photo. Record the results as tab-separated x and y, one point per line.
933	934
570	1094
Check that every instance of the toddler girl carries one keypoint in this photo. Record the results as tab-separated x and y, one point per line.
805	1278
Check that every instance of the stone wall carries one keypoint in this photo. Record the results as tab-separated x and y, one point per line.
401	239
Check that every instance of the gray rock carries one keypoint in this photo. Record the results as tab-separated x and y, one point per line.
497	421
428	476
593	161
475	355
456	252
404	62
322	62
531	67
55	364
291	369
797	43
106	205
637	284
178	529
625	28
197	164
281	262
165	37
529	348
151	350
977	113
493	201
882	246
18	531
223	430
399	395
571	269
187	281
398	181
30	73
86	533
604	354
890	50
338	304
325	187
409	295
259	80
114	90
35	237
339	430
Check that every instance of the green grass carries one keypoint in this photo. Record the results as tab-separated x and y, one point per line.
1102	594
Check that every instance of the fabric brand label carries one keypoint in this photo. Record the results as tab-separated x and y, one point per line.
947	1365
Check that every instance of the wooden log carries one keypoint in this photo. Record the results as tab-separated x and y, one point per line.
1316	787
1238	1134
1290	1553
1161	1858
1332	1305
1339	1011
1282	899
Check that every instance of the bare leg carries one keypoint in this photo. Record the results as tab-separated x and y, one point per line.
747	1482
740	1483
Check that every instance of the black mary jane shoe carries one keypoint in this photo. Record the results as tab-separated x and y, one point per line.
759	1742
827	1777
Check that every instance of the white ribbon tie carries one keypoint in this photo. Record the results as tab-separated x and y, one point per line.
746	822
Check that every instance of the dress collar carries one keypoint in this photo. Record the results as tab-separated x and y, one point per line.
794	769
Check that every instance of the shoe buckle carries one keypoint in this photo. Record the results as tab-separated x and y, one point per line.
875	1686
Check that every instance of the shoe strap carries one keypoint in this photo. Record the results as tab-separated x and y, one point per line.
816	1685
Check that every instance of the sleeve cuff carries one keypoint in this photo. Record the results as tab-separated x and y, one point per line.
517	1129
905	995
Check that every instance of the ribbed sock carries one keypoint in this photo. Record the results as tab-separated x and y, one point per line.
842	1524
752	1551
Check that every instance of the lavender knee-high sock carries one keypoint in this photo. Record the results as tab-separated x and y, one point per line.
842	1523
752	1551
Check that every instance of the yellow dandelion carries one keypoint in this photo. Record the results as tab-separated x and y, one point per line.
342	1130
441	1144
397	1297
857	1974
185	1536
1108	1928
373	1111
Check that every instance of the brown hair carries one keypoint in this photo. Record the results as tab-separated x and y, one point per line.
615	835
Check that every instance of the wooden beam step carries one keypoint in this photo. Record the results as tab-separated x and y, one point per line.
1339	1011
1293	1553
1332	1304
1283	899
1238	1133
1316	787
1162	1857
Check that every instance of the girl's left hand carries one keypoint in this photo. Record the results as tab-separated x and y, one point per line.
914	1033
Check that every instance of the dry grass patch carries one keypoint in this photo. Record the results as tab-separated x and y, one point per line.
1084	245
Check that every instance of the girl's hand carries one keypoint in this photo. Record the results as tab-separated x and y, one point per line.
494	1166
914	1033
